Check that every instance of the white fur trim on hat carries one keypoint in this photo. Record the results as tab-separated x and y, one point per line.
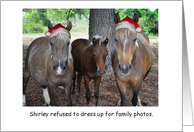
125	24
60	30
47	34
138	29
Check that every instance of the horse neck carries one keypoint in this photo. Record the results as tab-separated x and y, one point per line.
89	58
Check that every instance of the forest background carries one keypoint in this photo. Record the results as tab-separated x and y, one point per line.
35	20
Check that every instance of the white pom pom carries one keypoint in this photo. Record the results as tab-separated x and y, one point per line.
138	29
47	34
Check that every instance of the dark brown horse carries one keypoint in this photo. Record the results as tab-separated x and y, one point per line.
131	59
89	61
49	62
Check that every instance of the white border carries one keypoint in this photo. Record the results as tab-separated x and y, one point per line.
167	117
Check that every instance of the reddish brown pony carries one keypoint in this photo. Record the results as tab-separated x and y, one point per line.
89	61
131	59
49	62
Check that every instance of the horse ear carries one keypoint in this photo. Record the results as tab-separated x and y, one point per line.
94	41
69	25
116	18
105	41
136	18
50	25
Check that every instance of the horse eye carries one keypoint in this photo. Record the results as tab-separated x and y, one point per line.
51	43
68	43
135	39
115	39
94	54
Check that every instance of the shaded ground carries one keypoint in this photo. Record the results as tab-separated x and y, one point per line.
108	91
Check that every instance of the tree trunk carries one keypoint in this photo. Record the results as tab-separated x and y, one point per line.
101	22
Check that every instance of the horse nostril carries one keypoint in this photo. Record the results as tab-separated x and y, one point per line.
129	67
104	72
64	67
119	66
54	67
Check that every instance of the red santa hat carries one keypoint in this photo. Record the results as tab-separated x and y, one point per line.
55	27
128	19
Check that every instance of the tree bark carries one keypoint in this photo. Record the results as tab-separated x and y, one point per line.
101	22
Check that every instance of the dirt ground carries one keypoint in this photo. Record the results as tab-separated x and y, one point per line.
108	91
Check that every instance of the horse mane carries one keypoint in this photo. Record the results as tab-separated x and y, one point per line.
70	57
98	37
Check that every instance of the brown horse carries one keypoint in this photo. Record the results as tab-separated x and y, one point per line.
89	61
131	59
49	62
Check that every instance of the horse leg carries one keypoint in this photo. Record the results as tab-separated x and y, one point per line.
68	87
46	95
73	91
136	100
96	89
139	101
51	88
25	82
122	89
88	94
79	78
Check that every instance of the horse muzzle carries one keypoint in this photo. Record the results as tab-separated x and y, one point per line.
124	69
101	73
60	70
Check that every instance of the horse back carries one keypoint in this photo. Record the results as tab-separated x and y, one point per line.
79	47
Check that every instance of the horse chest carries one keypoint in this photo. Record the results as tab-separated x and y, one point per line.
92	75
90	71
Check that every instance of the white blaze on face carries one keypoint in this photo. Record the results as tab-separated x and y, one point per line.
124	46
59	70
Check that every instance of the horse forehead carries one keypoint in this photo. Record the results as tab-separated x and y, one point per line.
59	40
123	35
100	49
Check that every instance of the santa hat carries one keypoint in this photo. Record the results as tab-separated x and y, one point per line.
55	27
128	19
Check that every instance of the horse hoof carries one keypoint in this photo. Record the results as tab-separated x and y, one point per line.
144	103
24	104
45	104
79	100
119	102
73	96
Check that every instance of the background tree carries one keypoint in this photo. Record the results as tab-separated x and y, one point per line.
101	22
